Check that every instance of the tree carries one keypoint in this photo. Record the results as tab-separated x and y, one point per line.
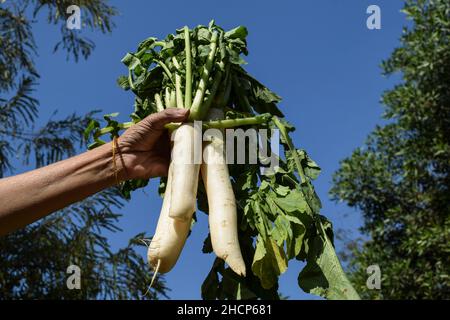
400	179
34	260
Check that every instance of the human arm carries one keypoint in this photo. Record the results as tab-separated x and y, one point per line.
143	152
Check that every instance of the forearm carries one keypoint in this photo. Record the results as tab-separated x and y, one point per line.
28	197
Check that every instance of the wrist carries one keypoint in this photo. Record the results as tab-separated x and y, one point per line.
116	169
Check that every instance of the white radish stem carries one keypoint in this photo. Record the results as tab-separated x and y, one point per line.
169	237
178	92
221	201
173	100
167	97
186	167
159	103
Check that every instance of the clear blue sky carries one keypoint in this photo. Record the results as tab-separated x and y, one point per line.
318	55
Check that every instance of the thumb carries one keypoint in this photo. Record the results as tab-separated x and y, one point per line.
159	120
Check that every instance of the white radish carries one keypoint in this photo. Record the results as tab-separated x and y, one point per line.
170	235
185	170
221	201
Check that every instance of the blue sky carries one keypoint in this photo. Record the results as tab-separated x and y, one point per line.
318	55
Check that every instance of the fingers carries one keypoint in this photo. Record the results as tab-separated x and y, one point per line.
160	168
160	119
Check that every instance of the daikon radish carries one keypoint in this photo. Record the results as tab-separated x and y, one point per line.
185	171
221	200
170	235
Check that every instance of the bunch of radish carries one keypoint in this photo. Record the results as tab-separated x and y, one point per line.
277	217
196	69
197	74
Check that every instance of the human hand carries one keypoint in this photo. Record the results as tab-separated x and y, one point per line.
144	149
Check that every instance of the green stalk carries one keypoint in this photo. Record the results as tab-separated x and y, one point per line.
228	123
188	86
130	80
198	99
212	92
215	124
166	70
231	123
140	53
291	147
179	93
159	43
106	130
222	48
159	103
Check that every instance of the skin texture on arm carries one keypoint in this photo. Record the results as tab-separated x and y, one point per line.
143	152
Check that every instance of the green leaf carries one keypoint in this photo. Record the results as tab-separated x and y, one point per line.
92	126
311	197
294	244
204	35
123	82
262	99
131	61
244	293
293	202
162	186
147	43
234	56
238	32
269	262
131	185
210	286
282	190
111	115
323	274
247	181
234	287
203	51
283	225
311	168
207	245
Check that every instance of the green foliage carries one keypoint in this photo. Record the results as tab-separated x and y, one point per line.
278	213
400	180
34	260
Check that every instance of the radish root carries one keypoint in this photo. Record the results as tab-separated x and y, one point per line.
221	201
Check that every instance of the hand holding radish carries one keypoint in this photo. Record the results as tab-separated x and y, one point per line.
145	147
